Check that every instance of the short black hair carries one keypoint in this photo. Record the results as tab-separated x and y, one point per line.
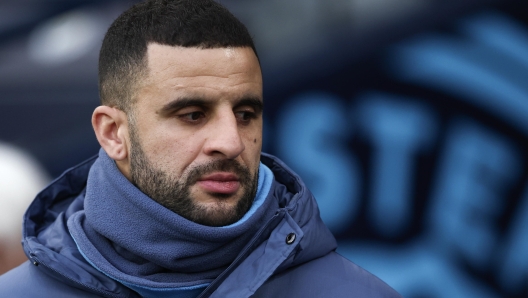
187	23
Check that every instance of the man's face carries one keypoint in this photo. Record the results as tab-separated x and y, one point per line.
196	131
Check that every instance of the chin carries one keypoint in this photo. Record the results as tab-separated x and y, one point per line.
217	213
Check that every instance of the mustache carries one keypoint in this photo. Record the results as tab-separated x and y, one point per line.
225	165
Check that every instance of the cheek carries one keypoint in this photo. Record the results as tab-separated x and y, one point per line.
171	154
253	150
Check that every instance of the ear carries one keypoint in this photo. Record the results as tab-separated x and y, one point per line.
111	129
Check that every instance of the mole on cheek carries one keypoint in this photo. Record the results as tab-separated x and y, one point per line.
255	140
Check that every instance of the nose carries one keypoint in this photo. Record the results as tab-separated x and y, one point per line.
224	137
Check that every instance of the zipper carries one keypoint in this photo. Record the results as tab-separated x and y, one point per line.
240	257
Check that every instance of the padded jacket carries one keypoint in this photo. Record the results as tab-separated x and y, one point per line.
292	255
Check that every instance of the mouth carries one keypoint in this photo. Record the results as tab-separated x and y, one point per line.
220	183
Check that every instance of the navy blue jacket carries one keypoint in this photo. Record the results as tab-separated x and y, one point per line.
290	256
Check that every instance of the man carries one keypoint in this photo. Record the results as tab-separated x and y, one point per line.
180	201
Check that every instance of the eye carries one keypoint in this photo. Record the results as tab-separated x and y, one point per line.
245	116
192	117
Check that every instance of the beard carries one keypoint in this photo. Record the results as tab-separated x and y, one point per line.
175	194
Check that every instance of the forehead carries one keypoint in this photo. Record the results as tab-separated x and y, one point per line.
196	65
217	75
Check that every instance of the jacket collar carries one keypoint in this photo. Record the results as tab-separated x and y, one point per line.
44	224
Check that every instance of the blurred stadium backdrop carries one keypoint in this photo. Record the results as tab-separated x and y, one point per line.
408	119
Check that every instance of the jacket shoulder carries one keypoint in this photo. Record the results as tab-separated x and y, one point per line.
329	276
28	281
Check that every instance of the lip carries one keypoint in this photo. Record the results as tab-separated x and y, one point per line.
222	183
222	176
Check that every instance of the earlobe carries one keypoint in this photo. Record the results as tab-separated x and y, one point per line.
111	127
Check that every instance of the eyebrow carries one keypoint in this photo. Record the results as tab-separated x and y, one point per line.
183	102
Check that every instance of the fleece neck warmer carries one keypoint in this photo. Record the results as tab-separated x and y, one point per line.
138	242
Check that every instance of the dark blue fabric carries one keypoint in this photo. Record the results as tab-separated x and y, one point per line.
47	243
328	276
268	266
136	241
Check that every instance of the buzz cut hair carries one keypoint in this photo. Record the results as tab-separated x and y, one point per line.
186	23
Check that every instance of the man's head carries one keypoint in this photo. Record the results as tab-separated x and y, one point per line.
187	23
181	114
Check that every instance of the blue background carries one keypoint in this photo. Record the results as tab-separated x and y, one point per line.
410	125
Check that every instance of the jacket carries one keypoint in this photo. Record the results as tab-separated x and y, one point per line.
291	255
